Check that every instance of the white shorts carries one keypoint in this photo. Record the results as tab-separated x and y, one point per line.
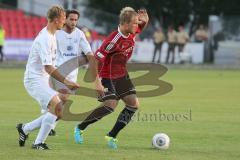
40	90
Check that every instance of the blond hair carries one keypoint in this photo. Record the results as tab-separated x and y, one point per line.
126	15
55	12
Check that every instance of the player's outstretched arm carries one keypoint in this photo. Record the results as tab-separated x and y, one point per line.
143	18
52	71
93	66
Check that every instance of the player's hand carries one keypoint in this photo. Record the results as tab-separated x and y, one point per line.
71	85
142	16
99	87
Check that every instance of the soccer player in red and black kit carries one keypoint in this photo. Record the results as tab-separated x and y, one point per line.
112	57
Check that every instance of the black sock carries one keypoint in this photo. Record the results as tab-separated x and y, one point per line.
96	115
123	119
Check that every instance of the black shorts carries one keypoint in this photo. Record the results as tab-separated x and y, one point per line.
117	88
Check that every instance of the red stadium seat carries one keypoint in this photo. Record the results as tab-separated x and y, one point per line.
30	32
14	34
19	13
43	21
17	25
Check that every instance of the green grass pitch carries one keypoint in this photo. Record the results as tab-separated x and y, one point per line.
208	102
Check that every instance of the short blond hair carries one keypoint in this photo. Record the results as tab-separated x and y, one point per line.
126	15
55	12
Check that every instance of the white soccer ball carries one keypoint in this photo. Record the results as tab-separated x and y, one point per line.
160	141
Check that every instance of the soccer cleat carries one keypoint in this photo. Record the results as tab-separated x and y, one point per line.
112	142
22	136
78	135
40	146
52	133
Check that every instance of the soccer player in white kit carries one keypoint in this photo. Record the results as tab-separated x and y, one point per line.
39	68
71	42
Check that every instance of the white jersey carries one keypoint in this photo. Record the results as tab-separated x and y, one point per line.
70	46
36	79
43	52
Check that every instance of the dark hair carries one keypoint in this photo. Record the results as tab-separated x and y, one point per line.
72	11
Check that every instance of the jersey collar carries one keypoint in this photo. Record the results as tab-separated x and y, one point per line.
122	33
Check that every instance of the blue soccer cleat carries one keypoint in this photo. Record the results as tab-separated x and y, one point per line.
78	136
112	142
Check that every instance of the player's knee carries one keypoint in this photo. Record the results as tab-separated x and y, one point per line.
111	103
63	95
133	103
59	110
56	106
131	100
137	104
64	98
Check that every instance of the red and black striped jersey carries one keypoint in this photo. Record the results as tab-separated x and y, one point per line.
114	54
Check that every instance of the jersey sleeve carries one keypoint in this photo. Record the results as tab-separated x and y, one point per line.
107	47
45	52
84	44
140	28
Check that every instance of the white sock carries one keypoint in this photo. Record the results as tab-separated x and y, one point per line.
35	124
54	125
47	124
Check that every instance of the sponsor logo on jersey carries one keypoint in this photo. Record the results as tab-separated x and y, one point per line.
128	50
69	54
69	48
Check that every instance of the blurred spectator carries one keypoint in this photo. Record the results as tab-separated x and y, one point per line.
158	39
182	39
87	34
219	36
201	34
171	38
2	38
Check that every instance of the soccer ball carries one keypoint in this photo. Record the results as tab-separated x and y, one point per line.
160	141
